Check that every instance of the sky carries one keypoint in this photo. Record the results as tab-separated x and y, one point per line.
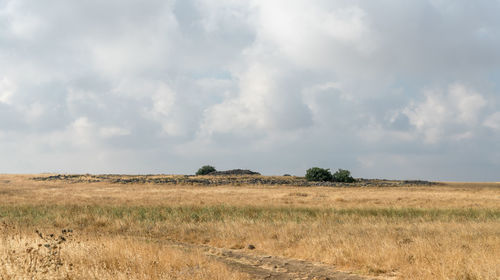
386	89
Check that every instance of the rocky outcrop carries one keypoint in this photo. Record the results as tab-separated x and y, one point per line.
238	178
235	172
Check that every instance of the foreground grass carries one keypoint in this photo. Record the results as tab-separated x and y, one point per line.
87	216
449	231
407	242
87	256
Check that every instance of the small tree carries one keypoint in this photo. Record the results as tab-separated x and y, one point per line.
318	174
342	175
206	169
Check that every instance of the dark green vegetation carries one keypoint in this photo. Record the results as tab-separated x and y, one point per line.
83	216
206	169
318	174
343	176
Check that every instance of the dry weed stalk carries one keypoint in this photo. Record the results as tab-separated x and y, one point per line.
41	258
46	256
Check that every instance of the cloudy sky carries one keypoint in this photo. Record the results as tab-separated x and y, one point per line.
386	89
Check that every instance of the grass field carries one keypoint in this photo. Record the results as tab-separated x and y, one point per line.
447	231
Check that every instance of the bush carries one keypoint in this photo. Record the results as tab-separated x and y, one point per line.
318	174
342	175
206	169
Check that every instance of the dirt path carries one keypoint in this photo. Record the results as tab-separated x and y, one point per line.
271	267
266	267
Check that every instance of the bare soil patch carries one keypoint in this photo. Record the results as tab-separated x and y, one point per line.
266	266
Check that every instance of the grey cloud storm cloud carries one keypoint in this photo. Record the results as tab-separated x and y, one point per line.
385	89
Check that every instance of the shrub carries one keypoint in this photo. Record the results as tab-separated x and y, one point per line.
342	175
206	169
318	174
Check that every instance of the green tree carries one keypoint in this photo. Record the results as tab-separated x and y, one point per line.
342	175
318	174
206	169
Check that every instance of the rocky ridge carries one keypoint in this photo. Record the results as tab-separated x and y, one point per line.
224	179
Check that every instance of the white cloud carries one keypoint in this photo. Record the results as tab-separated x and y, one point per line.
82	132
223	15
164	111
493	121
467	102
34	111
22	23
7	89
249	110
263	104
327	102
108	132
134	49
312	35
459	106
255	82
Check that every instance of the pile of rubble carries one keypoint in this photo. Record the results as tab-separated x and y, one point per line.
235	177
235	172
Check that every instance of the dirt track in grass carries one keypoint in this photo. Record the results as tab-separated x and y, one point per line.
267	266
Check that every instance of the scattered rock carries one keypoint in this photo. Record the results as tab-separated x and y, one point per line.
234	172
417	182
234	177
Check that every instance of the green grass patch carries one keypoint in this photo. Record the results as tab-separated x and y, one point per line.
86	215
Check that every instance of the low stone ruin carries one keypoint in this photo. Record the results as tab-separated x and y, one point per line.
235	172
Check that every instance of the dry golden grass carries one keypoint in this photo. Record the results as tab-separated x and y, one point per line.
450	231
87	256
21	190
